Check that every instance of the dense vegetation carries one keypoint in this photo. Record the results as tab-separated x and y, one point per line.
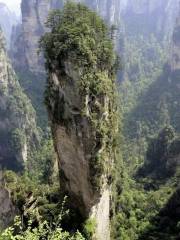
150	106
33	85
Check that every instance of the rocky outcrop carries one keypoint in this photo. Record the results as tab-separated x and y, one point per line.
18	132
82	109
79	146
7	209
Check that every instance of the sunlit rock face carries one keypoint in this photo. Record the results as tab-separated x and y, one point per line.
18	132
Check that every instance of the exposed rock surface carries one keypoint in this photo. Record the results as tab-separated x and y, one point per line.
18	132
150	16
7	209
76	143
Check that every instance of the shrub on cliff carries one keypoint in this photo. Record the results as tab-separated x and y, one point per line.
81	34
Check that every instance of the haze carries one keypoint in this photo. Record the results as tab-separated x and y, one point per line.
14	5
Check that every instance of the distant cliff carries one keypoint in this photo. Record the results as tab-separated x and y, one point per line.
7	20
159	105
150	16
18	132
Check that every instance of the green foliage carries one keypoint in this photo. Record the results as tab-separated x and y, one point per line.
150	103
43	231
80	33
20	186
33	85
136	207
19	132
41	163
18	139
158	153
89	228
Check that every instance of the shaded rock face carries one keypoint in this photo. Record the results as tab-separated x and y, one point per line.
147	17
175	56
7	209
18	132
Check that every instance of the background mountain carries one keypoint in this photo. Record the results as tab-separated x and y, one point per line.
18	130
7	20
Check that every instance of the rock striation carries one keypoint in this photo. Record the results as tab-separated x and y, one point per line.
18	132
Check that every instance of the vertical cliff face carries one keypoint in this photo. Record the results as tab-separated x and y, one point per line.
175	55
18	132
80	98
147	17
